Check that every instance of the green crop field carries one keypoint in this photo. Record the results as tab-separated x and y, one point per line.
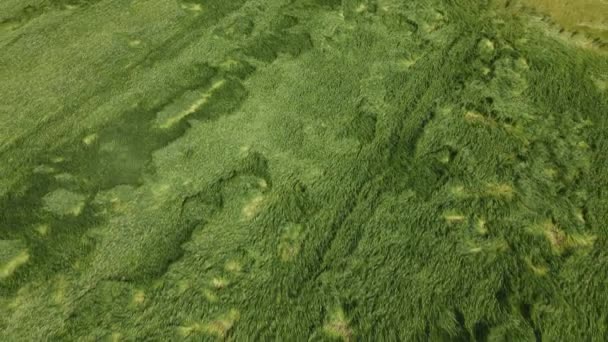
303	170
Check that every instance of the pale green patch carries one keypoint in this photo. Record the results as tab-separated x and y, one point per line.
135	43
13	254
499	190
459	191
210	295
486	45
480	226
262	184
189	330
244	149
192	7
406	63
160	190
169	117
444	157
522	63
229	64
550	172
222	325
578	213
453	217
580	240
489	246
561	241
478	118
496	245
583	145
475	250
42	229
10	267
337	325
116	337
233	266
445	111
139	297
219	282
61	289
44	169
538	269
63	202
290	242
361	8
183	286
89	139
252	208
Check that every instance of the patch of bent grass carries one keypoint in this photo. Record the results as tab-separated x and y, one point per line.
454	217
473	117
13	264
337	326
252	208
221	326
538	269
561	241
500	190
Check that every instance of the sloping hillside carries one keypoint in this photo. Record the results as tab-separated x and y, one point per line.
301	170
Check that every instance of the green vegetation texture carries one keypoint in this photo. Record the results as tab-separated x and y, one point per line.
384	170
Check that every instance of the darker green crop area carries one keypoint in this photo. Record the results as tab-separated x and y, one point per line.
315	170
